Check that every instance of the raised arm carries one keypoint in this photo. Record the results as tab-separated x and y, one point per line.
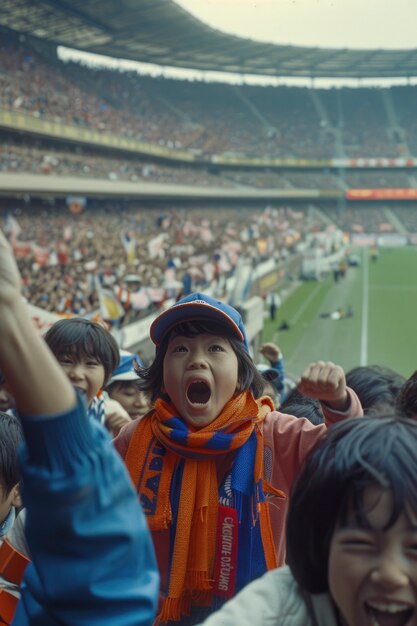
93	560
39	386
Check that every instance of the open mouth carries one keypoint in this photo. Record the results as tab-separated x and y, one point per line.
389	614
198	392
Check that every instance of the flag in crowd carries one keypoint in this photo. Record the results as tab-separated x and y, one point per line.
110	307
129	244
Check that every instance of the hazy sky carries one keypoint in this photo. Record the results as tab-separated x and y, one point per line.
324	23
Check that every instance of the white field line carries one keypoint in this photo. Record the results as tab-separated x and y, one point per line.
365	299
306	302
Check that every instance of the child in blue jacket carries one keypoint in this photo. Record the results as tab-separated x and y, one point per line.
93	561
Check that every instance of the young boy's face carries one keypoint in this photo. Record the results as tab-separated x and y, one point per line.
372	571
131	398
200	376
85	373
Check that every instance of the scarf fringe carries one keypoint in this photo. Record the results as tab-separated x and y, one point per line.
174	609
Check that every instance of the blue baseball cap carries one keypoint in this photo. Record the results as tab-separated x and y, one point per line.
198	306
125	371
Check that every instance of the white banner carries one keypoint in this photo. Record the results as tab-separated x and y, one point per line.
43	319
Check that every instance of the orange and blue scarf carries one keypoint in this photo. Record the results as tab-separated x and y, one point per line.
173	468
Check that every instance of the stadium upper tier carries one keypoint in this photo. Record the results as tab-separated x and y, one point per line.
204	120
161	32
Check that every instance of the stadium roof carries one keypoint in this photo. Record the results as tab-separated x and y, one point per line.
161	32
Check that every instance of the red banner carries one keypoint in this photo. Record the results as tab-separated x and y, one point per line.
382	194
377	163
225	569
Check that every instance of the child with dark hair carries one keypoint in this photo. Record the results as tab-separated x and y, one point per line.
351	536
88	354
300	405
86	351
213	461
93	560
376	386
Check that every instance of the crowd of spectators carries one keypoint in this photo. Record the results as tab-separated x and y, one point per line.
279	179
362	119
357	218
376	179
376	219
407	215
207	118
404	100
37	157
66	259
121	260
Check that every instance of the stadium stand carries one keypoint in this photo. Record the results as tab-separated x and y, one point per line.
193	134
206	118
60	254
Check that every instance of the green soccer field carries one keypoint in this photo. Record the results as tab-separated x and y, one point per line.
382	331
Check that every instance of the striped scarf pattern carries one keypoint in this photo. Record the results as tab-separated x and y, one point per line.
173	468
97	409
